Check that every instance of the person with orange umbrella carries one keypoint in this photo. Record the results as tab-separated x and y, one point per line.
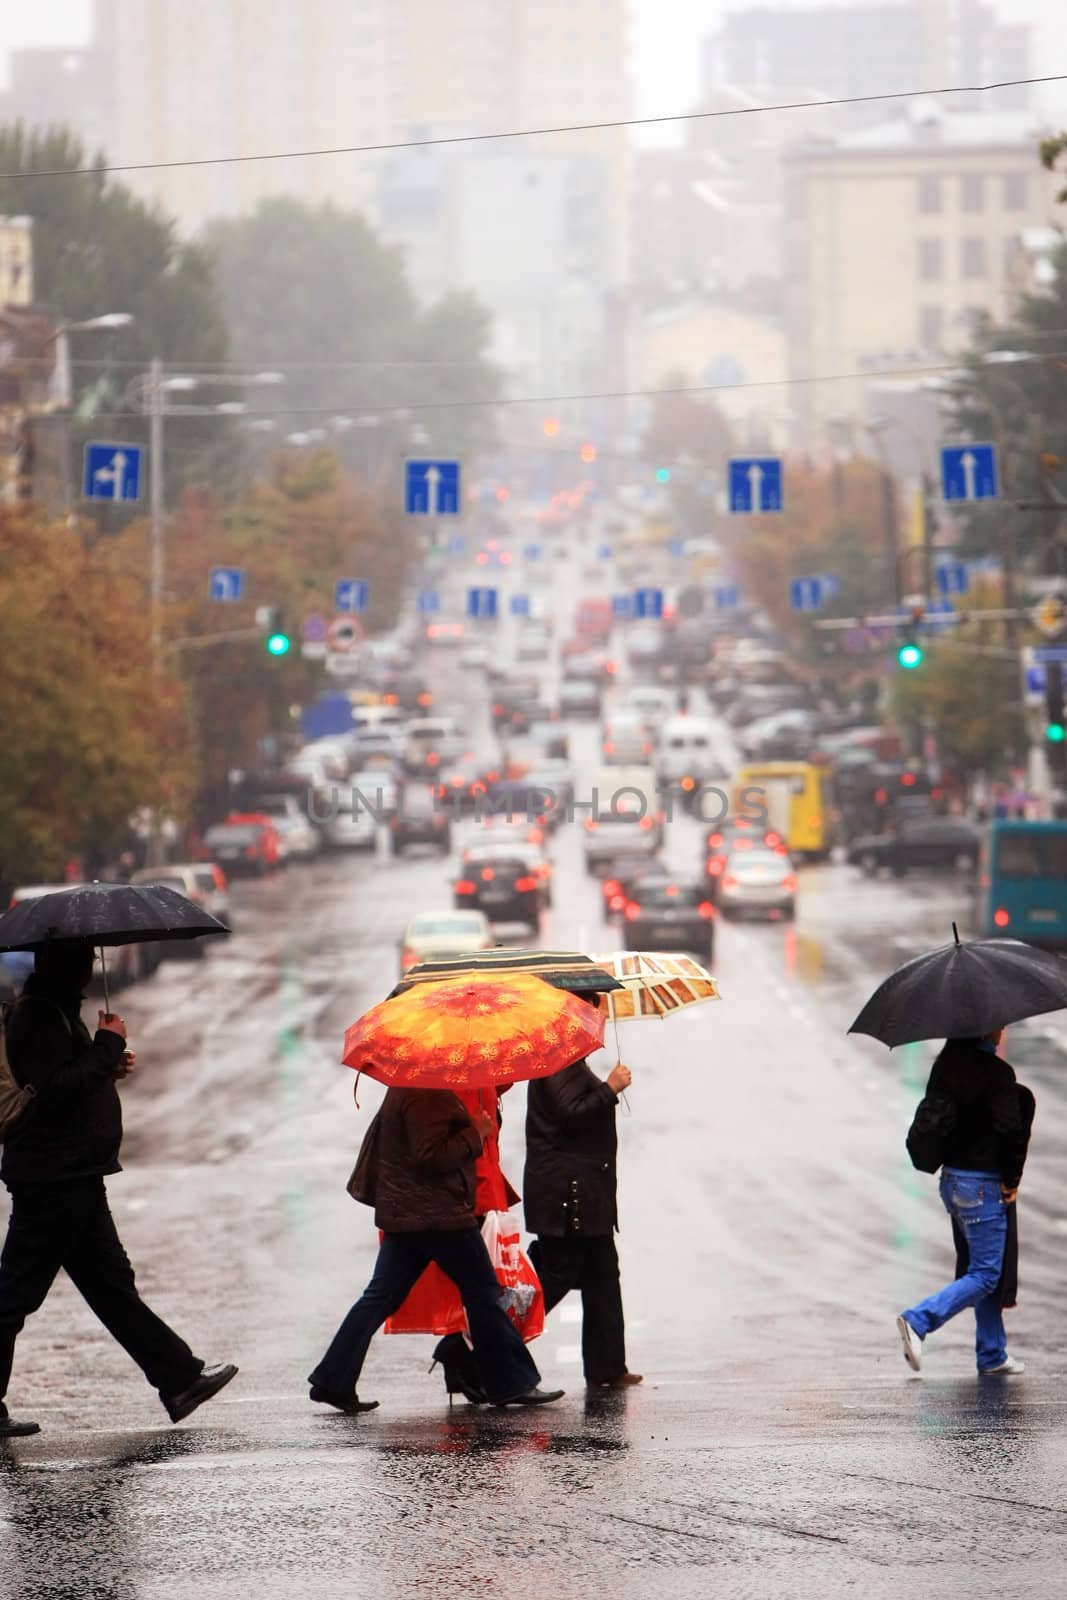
417	1163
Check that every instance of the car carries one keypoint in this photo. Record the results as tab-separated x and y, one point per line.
534	643
787	735
924	841
689	755
405	691
436	935
475	656
126	963
557	777
428	743
735	833
653	705
623	873
579	697
550	736
377	746
299	839
380	787
502	885
203	882
420	820
245	841
759	700
333	754
624	739
444	633
628	818
460	784
669	914
348	823
524	842
759	880
511	692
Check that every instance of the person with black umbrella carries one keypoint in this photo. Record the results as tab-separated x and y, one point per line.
55	1160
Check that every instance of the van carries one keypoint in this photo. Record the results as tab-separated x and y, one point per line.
688	754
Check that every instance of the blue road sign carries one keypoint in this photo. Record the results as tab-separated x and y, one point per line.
431	488
457	545
227	583
829	586
727	597
676	547
481	604
519	605
648	603
604	552
938	612
350	594
112	471
428	600
532	552
806	594
951	577
622	605
756	483
315	628
969	472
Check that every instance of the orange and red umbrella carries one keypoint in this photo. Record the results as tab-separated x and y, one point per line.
473	1032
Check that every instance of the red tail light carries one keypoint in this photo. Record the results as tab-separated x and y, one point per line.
221	880
590	825
617	902
498	709
609	666
609	747
408	959
433	759
789	882
814	821
632	912
1001	918
780	850
715	866
544	870
488	874
609	887
772	839
714	841
525	885
646	823
688	783
425	699
729	881
491	777
390	699
535	836
706	908
464	886
672	890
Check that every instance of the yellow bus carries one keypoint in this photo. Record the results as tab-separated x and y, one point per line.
796	798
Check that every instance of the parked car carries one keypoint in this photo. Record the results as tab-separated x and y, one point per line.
420	820
300	840
436	935
670	914
502	886
758	880
205	884
930	842
245	843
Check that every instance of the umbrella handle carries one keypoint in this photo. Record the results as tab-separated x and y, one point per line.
103	974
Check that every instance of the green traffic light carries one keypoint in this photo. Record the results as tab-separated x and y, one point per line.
278	644
909	656
663	474
1055	733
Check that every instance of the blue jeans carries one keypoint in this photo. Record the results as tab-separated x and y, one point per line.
504	1363
975	1200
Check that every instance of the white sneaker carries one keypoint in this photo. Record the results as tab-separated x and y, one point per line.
913	1345
1008	1368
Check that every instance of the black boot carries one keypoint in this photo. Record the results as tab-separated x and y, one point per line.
460	1368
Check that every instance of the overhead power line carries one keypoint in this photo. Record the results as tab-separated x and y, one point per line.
535	133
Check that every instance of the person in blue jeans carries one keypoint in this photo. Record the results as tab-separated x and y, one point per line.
986	1116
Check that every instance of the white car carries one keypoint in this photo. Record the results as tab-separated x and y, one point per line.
433	935
625	740
534	643
759	880
300	839
629	816
347	826
474	655
379	787
199	880
652	705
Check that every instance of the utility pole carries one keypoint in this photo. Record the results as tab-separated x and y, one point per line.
155	397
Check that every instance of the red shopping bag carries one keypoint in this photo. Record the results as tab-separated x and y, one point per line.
434	1305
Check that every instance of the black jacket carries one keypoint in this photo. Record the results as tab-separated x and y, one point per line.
571	1144
990	1128
423	1170
73	1127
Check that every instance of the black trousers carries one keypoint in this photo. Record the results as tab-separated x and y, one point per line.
503	1361
591	1265
69	1225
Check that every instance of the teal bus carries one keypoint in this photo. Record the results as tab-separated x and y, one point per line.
1022	882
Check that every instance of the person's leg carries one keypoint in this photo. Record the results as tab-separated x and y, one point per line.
504	1362
402	1258
38	1230
603	1327
558	1264
990	1339
100	1270
978	1206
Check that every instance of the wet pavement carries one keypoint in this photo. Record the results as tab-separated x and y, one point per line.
771	1229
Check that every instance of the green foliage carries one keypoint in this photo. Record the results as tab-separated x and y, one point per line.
970	700
1051	150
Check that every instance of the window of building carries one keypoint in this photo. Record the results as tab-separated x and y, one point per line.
1015	191
973	258
931	325
931	260
930	195
972	191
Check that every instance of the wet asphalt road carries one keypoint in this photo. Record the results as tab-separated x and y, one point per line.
771	1229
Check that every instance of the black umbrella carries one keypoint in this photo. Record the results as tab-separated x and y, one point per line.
105	914
565	969
963	991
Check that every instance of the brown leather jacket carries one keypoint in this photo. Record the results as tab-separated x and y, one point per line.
424	1179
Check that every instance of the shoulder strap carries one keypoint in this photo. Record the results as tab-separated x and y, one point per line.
11	1004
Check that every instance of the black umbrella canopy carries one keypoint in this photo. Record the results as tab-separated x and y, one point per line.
565	969
964	991
105	914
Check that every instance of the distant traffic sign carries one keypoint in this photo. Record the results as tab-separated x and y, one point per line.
622	605
532	552
648	603
428	601
519	605
951	577
676	547
727	597
315	628
227	583
344	634
1050	617
350	594
481	604
431	488
755	483
112	471
604	552
457	545
969	472
806	594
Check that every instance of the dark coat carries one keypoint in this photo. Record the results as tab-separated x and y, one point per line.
990	1128
73	1127
423	1178
569	1183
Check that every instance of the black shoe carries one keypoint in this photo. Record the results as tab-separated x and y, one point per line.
532	1397
210	1381
459	1382
351	1404
10	1429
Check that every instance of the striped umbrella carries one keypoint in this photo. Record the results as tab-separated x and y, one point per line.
654	985
564	969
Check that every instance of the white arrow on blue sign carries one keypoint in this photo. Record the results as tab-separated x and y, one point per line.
727	597
969	472
431	488
951	577
519	605
227	583
622	605
755	483
806	594
428	600
112	471
481	604
648	603
350	594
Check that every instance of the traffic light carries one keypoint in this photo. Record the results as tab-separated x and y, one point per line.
910	654
277	639
663	474
1055	732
